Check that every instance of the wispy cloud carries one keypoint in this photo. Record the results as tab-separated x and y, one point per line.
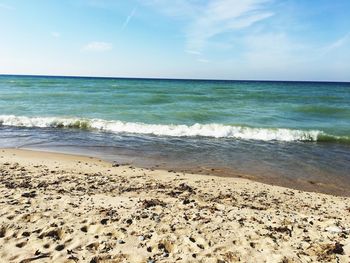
202	60
104	4
276	48
176	8
337	43
4	6
97	46
222	16
55	34
192	52
197	55
128	18
214	18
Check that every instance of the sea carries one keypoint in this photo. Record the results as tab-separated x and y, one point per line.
293	134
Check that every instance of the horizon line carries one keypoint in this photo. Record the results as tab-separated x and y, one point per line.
165	78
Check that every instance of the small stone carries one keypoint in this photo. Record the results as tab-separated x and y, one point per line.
186	201
26	234
338	249
2	232
200	246
29	194
151	203
334	229
104	221
21	244
60	247
161	246
144	215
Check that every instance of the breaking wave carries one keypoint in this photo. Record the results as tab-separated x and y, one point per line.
205	130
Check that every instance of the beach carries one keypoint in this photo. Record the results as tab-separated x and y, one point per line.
212	131
68	208
291	134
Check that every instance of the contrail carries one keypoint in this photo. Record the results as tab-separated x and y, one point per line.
127	20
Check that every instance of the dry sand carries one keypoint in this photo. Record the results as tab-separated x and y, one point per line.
64	208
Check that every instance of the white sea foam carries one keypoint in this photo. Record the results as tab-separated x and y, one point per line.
204	130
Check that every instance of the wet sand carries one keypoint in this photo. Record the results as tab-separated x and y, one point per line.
312	181
66	208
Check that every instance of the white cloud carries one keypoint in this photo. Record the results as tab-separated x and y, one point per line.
97	46
128	18
55	34
205	21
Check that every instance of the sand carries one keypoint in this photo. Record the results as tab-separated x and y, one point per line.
65	208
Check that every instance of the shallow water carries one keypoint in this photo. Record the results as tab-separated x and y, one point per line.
286	132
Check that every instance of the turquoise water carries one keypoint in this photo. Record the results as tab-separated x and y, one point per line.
220	118
322	107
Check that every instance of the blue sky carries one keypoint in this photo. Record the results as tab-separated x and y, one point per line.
216	39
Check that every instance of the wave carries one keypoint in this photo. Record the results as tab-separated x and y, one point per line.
204	130
321	110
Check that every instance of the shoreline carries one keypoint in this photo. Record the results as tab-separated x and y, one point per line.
68	208
302	184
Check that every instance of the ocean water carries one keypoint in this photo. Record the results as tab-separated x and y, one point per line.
292	133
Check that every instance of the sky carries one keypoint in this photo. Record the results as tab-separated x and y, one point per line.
205	39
